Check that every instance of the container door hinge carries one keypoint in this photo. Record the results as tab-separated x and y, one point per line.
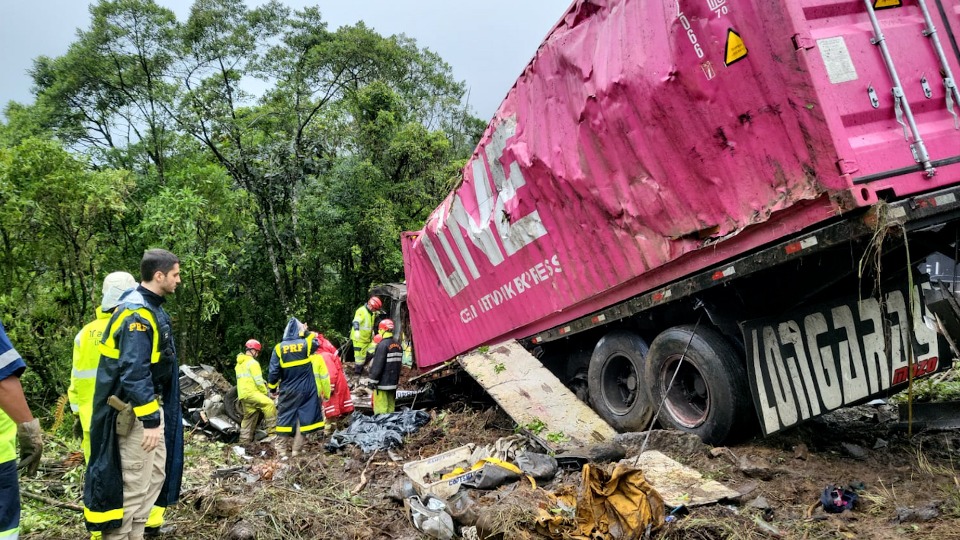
801	41
847	166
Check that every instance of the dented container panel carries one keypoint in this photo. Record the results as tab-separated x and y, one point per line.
647	139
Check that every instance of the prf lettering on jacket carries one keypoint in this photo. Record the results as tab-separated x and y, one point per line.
297	347
136	326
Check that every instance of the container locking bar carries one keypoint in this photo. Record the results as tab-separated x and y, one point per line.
949	84
918	149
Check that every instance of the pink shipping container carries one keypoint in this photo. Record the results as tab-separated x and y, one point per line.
649	140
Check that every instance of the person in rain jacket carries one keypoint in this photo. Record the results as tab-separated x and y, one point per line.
301	383
16	423
361	332
86	357
252	392
338	408
385	370
136	445
86	353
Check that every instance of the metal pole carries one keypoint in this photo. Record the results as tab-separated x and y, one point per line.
918	148
948	81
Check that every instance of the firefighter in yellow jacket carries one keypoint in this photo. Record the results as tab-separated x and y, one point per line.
361	331
252	392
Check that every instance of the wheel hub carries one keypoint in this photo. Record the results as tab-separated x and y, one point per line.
688	398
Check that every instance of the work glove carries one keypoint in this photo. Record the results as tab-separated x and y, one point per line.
31	446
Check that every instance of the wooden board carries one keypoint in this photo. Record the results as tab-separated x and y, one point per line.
528	392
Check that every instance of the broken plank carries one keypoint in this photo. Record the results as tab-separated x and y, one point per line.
529	392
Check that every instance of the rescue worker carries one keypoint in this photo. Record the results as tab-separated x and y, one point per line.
86	353
136	434
338	408
361	334
16	423
385	370
86	357
252	392
301	383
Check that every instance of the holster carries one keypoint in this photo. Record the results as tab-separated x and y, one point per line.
125	416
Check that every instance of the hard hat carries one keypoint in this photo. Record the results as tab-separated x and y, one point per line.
374	303
386	324
252	344
114	285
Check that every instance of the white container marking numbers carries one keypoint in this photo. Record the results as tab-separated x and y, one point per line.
691	35
718	6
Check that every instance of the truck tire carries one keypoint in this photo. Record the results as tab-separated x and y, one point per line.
710	396
615	381
232	406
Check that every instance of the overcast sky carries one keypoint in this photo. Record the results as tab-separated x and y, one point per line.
486	43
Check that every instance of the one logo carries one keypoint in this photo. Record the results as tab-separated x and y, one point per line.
735	50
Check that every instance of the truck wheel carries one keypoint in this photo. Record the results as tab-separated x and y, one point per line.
232	406
614	379
710	396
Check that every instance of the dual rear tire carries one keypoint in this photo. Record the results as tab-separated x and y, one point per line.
699	378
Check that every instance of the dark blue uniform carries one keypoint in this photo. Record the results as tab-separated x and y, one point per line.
140	328
292	370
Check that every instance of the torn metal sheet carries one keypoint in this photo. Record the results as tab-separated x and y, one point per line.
645	137
529	393
677	483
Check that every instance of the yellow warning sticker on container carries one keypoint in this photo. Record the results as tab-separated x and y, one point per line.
884	4
735	50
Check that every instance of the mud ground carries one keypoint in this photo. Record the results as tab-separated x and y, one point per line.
908	484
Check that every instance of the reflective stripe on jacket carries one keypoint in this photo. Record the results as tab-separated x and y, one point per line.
361	333
292	370
11	365
249	377
340	401
385	368
86	358
138	363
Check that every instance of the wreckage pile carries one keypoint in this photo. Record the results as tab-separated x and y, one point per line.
906	485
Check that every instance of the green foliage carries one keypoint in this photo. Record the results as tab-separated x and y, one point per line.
535	426
944	387
291	202
499	367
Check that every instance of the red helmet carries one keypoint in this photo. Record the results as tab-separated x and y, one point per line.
374	303
252	344
386	325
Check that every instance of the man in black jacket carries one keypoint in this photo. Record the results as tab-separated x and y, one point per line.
385	370
136	434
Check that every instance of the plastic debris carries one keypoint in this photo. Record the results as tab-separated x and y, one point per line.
379	432
431	518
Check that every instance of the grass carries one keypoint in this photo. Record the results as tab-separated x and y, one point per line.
879	501
950	492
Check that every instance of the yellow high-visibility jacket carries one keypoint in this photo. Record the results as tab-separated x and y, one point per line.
361	333
249	377
83	377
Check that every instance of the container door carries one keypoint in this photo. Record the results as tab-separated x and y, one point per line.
873	132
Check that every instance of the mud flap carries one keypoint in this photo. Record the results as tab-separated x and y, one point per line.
945	307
